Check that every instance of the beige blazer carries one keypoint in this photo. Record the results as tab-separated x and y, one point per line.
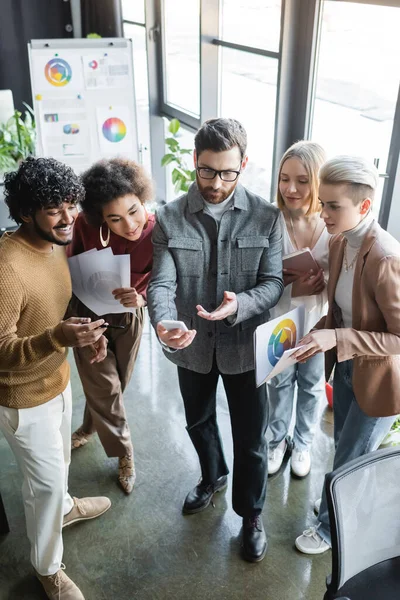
374	340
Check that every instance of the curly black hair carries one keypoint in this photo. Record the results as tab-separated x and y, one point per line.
40	183
110	179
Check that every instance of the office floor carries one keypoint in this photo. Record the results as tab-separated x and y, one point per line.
143	548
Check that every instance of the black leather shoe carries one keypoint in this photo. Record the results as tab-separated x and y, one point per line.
200	497
254	539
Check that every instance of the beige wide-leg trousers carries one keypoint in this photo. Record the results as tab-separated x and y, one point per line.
105	382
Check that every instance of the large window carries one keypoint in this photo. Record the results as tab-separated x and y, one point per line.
134	28
357	81
248	80
248	93
181	34
252	23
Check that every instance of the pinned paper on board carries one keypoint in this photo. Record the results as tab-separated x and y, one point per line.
58	73
65	127
105	70
115	135
275	343
95	274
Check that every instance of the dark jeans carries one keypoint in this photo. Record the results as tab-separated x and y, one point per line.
248	408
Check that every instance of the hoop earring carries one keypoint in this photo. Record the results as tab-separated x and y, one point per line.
104	242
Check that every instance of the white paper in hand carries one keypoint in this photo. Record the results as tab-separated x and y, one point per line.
95	274
274	344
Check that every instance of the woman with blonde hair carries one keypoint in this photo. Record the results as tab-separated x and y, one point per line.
302	227
114	215
361	331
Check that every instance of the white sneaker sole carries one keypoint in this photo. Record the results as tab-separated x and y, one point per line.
310	550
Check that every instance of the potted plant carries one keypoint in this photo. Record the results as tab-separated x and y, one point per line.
17	140
182	175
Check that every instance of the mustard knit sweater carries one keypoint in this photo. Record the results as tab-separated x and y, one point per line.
35	289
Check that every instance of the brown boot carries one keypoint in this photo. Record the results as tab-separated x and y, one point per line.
80	438
126	472
59	586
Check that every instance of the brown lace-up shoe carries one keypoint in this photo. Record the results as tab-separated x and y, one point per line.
86	508
126	473
79	438
59	586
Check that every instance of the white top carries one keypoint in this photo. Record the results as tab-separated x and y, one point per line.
316	306
344	286
217	210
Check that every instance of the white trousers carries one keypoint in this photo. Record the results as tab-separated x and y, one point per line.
40	439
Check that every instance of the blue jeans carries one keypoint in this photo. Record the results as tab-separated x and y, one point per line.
310	389
355	433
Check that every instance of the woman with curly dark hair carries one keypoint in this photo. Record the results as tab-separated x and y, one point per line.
114	215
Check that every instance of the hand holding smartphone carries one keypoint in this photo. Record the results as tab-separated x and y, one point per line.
169	325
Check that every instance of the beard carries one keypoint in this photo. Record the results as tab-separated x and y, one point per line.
211	195
48	237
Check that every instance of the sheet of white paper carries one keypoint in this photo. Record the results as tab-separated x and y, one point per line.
285	361
273	339
57	73
104	70
64	127
95	274
114	130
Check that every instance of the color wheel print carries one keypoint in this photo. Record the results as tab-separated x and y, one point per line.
114	130
282	338
58	72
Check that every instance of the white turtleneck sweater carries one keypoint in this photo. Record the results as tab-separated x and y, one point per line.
344	286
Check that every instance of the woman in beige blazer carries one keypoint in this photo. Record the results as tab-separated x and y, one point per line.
361	332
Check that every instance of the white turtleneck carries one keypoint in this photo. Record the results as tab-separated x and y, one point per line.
344	286
217	210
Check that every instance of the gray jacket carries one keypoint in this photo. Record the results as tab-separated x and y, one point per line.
195	261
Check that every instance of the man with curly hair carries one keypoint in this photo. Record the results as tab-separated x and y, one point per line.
35	398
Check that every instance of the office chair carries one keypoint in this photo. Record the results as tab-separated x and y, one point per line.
364	513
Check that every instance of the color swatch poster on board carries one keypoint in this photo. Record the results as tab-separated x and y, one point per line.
77	124
113	130
274	344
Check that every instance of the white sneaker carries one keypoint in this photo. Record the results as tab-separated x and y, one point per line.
275	457
317	506
300	462
311	542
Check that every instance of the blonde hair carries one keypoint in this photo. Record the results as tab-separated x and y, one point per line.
311	156
360	176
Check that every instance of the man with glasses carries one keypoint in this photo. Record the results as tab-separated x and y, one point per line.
217	268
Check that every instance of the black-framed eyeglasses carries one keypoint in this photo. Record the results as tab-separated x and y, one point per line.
206	173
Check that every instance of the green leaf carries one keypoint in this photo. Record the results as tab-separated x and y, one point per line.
174	126
186	151
172	143
193	175
167	159
180	186
175	176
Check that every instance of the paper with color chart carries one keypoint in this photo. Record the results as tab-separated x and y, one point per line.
65	129
105	70
114	131
57	73
95	274
274	344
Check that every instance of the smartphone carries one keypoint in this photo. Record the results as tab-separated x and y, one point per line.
173	325
114	326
